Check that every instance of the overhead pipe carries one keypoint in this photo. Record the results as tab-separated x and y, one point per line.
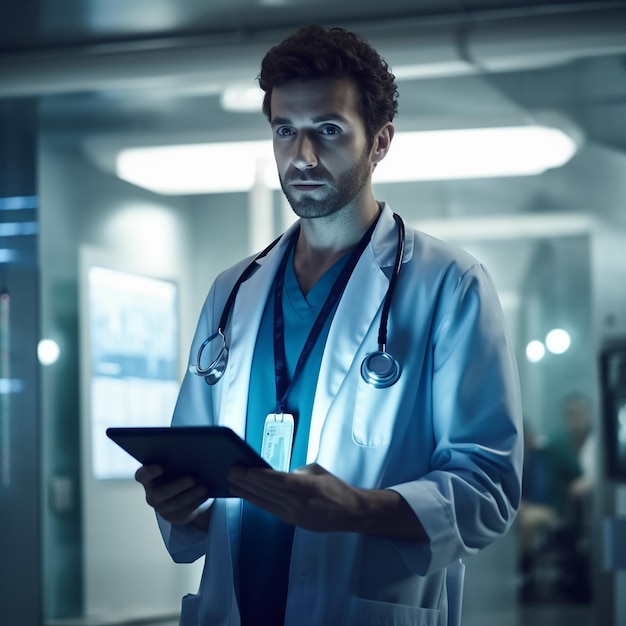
414	50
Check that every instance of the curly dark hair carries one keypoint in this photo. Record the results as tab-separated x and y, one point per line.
315	52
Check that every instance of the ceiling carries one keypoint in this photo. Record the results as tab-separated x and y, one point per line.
43	24
116	73
133	72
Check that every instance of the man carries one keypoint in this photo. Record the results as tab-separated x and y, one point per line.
570	464
391	483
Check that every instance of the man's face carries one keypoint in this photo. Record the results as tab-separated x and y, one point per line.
321	149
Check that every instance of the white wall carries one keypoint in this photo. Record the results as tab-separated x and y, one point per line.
105	540
122	565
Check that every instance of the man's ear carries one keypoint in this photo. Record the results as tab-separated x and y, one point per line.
382	142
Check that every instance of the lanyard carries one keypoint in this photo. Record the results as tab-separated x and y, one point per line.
283	384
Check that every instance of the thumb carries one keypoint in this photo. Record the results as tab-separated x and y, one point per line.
312	469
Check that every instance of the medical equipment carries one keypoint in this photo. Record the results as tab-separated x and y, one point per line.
379	368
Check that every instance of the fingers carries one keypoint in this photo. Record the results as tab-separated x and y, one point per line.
268	489
311	497
147	473
290	496
262	480
176	500
170	490
312	468
182	508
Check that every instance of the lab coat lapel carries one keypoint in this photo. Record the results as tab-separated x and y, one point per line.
355	322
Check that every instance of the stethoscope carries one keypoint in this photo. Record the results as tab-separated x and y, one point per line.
379	368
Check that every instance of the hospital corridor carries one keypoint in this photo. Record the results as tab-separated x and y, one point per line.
137	166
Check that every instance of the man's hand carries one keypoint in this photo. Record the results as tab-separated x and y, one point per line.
312	498
177	501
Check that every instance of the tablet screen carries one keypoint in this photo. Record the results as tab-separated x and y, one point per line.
205	452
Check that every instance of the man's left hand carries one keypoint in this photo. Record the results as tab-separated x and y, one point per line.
309	497
315	499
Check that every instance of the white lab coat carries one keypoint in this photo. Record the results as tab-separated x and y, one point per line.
446	436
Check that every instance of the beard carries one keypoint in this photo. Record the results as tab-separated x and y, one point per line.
336	196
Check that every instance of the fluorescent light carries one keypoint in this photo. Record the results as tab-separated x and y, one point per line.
242	99
475	153
11	385
8	255
194	168
511	226
18	229
17	203
414	156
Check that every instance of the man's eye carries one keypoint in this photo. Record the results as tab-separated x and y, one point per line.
330	130
284	131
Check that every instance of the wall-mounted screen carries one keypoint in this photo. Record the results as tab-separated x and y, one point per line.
133	358
613	373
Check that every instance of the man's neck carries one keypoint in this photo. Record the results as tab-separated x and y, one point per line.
323	241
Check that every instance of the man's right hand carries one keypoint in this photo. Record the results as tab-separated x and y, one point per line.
176	501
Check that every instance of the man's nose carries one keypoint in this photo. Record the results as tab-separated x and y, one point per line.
304	152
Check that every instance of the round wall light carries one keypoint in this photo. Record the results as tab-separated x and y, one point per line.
535	351
558	341
48	351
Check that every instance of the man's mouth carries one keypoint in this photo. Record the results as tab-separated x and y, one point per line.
305	185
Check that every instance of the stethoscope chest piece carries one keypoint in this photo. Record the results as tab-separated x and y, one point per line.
216	368
380	369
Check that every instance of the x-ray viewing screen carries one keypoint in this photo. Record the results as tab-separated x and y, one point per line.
133	340
620	443
613	373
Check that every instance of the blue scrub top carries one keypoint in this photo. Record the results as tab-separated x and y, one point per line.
265	539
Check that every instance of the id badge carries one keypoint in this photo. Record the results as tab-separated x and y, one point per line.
278	440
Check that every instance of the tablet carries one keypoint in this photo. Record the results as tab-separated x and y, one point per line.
204	452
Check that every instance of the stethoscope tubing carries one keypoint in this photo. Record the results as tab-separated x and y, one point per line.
212	373
379	368
384	317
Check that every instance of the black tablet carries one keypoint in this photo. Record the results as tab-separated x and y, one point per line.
204	452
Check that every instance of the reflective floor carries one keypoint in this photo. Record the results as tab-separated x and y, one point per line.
557	615
529	615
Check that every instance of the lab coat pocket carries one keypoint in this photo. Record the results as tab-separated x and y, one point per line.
190	610
363	612
375	412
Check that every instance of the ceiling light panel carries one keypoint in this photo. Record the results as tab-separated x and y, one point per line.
414	156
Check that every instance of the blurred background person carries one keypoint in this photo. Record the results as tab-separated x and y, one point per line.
537	518
554	521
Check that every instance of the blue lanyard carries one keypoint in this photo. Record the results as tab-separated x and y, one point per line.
283	384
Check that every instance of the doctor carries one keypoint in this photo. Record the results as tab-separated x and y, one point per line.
388	471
